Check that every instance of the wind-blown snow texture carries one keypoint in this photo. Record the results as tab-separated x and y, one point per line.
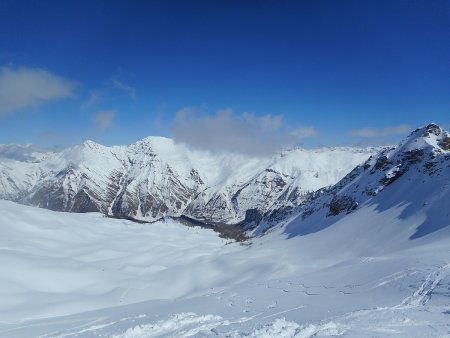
369	257
155	177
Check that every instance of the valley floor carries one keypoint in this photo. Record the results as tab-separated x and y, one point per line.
83	275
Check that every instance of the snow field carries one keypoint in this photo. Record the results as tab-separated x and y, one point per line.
83	275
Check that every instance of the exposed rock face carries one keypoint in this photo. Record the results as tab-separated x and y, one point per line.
155	177
445	143
340	204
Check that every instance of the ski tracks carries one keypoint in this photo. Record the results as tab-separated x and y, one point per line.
423	294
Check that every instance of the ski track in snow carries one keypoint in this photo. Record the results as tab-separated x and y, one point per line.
423	294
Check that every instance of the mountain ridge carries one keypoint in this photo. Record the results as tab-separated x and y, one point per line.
156	177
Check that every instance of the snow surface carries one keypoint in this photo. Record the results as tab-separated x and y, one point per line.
84	275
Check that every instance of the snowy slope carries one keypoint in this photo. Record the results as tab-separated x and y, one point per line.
155	177
83	275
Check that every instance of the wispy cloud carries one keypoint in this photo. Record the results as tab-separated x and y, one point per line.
400	129
127	89
95	97
227	131
104	119
304	132
22	88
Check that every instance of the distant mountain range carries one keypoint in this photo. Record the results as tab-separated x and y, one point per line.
156	177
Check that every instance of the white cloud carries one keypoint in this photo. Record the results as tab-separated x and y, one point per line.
104	119
22	88
265	122
400	129
226	131
130	91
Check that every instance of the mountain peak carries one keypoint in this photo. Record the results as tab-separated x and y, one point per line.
427	138
433	128
91	144
426	131
153	144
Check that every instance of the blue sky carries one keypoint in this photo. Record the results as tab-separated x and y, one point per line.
322	72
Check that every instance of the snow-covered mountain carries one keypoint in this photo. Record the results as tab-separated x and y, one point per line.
156	177
366	257
411	179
